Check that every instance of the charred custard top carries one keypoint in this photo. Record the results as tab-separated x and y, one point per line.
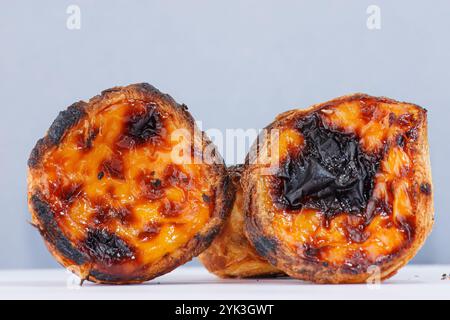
342	194
115	192
332	173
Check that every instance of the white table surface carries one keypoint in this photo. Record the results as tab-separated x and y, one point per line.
412	282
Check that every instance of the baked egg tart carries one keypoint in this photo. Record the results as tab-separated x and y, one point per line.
343	193
124	188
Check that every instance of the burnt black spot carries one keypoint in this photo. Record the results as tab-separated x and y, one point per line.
332	173
65	120
142	127
113	278
52	233
107	247
100	175
400	140
148	88
206	198
425	188
36	153
265	246
102	276
156	183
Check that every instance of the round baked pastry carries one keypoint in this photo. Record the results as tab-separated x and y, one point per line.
124	188
341	192
230	254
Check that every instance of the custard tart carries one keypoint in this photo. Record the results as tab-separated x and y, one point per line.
341	192
124	188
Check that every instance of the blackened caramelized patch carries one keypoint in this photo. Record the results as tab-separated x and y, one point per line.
331	174
425	188
107	247
265	246
113	167
36	153
142	127
400	140
206	198
52	233
64	121
112	278
156	183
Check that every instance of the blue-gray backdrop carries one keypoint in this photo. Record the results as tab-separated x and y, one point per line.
235	63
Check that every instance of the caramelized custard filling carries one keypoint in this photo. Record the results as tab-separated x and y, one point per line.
115	192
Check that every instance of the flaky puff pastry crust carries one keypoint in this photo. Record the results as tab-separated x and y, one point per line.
119	190
311	244
230	254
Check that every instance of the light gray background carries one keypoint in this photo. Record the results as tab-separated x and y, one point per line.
236	64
